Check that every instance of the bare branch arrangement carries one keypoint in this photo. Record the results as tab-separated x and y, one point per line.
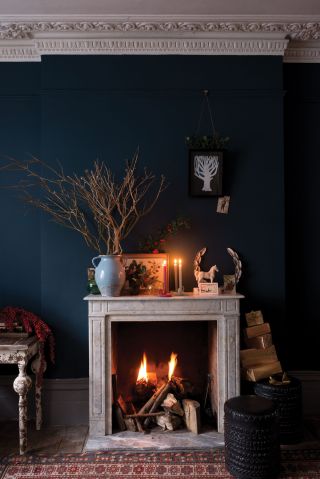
101	209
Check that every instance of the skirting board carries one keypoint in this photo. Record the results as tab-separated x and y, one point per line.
66	401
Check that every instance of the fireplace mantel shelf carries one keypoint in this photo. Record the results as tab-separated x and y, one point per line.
185	296
221	312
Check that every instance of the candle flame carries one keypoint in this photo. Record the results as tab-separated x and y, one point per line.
180	261
175	262
164	262
143	375
172	365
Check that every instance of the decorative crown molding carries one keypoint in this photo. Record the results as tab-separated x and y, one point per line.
161	46
155	36
28	30
302	52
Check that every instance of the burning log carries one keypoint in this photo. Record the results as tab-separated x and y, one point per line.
168	421
144	389
123	405
130	424
158	400
126	408
147	414
172	405
119	417
182	386
150	402
192	415
137	421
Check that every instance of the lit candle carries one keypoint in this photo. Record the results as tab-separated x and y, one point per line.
175	264
180	275
164	265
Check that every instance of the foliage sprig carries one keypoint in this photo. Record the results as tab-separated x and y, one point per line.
207	142
156	242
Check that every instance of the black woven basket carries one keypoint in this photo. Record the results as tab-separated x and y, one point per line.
288	398
252	449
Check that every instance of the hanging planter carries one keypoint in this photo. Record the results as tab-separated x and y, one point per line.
206	158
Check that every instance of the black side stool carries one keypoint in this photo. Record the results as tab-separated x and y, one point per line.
288	398
252	449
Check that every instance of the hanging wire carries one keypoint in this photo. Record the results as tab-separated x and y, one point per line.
205	102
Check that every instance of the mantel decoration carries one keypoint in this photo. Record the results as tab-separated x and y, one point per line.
103	210
230	281
157	242
202	276
145	273
206	158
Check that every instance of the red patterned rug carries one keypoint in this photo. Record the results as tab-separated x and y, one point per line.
303	464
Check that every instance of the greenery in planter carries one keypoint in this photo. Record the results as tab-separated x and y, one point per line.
207	142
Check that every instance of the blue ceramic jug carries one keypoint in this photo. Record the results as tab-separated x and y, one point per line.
109	274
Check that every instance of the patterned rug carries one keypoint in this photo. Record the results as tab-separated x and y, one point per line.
303	464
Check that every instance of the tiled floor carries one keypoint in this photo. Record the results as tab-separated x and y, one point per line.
64	439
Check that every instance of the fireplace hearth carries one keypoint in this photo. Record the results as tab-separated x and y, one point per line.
203	332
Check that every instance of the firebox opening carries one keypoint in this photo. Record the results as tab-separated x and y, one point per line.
140	355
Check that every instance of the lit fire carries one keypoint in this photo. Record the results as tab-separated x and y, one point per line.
143	375
172	365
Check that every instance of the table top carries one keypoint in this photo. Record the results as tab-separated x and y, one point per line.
8	343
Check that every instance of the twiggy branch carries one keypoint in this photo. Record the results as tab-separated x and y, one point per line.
101	209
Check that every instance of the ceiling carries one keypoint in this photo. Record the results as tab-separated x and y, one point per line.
160	7
30	29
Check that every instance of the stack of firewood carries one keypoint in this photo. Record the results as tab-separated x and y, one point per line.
260	360
168	407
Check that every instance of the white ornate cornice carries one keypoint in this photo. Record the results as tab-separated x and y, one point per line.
154	46
198	36
303	52
27	30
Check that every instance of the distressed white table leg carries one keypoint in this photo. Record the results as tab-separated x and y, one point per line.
38	371
21	385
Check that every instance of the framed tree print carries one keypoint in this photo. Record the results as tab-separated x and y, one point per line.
205	172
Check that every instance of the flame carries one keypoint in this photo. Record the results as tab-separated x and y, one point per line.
143	375
172	365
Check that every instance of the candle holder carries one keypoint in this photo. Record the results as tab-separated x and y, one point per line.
164	294
179	292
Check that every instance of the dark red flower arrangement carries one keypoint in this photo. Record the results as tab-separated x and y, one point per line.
14	316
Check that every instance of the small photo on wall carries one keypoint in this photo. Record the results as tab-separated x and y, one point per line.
205	172
223	205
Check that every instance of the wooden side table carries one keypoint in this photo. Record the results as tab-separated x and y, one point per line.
19	350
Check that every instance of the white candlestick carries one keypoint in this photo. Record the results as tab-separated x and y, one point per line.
180	275
175	264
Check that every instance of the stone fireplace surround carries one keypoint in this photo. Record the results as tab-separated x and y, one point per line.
221	313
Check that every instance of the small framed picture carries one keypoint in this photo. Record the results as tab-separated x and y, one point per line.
208	288
145	273
205	173
223	205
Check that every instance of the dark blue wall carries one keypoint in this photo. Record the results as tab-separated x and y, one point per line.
77	109
302	165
